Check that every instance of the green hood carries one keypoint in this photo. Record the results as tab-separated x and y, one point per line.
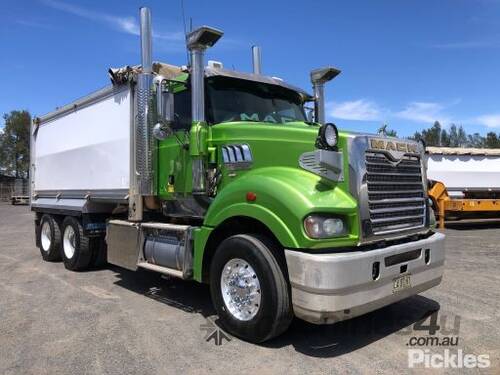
286	193
271	144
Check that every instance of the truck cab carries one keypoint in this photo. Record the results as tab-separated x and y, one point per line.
231	183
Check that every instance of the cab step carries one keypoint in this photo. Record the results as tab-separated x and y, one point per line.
160	269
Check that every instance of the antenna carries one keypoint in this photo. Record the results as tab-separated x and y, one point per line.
183	17
185	28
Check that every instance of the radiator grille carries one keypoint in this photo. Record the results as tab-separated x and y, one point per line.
396	197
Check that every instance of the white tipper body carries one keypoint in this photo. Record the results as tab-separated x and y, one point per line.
464	169
85	149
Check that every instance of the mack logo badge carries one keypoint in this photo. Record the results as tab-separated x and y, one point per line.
380	144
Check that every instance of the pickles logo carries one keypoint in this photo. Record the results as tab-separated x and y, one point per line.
440	348
213	332
395	149
447	359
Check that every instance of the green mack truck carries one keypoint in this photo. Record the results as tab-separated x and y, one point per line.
220	177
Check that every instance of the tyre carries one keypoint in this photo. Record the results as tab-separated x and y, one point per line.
249	289
49	239
76	249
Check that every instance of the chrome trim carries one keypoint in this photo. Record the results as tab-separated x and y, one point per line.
240	288
319	102
324	163
135	201
110	195
81	103
199	177
327	288
358	145
144	139
256	60
197	85
31	177
146	40
151	231
394	218
124	244
319	77
237	156
392	209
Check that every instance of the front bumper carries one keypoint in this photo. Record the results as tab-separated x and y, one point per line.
327	288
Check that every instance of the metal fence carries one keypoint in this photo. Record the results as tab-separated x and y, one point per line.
18	187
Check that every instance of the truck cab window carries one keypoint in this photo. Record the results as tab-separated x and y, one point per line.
236	100
182	110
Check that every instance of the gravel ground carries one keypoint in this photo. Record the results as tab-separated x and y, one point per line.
112	321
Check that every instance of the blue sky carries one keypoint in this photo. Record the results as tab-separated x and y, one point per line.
405	63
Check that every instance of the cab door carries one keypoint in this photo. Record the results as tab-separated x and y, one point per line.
174	164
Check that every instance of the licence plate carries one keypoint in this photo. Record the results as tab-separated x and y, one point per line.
400	283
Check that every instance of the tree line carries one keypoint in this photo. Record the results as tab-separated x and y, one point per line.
456	136
15	138
15	144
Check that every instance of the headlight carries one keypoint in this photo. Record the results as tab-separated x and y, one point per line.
328	137
324	227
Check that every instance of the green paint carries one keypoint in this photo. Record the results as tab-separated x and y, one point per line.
286	194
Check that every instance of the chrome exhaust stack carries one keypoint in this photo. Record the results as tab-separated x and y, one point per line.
318	79
142	183
197	42
256	60
146	41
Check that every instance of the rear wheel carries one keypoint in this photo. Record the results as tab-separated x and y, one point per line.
249	289
49	239
77	252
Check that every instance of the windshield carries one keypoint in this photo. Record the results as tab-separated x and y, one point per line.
231	99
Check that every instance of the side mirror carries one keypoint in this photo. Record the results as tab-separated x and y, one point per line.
164	109
161	131
309	114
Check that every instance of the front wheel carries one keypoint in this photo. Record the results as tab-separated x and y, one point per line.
249	288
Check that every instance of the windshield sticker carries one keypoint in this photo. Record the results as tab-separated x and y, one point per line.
254	117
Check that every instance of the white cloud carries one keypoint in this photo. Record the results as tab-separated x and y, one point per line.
359	110
424	113
472	44
491	121
427	112
128	24
369	110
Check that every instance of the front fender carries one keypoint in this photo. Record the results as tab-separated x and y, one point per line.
284	197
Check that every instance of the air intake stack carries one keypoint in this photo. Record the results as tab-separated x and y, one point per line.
318	78
256	60
197	42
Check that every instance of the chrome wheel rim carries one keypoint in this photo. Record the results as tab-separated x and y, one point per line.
240	288
46	236
69	242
